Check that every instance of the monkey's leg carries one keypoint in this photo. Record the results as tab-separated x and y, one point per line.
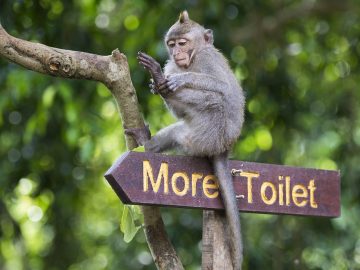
167	138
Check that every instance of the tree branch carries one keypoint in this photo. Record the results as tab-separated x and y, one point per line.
114	72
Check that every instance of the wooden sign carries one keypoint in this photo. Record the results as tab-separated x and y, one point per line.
182	181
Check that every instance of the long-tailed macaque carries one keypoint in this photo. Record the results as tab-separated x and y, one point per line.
200	89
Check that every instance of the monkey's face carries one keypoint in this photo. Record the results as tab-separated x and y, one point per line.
181	51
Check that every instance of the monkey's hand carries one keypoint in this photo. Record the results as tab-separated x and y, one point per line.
159	89
152	66
162	89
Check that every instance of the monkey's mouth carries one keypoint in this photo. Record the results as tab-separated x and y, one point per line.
182	61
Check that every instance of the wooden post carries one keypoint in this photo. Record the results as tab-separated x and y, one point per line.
215	249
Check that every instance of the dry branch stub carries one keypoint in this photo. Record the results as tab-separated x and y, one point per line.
181	181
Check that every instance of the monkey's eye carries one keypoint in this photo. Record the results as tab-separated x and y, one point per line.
182	42
171	43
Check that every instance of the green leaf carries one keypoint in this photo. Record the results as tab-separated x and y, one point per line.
139	149
128	220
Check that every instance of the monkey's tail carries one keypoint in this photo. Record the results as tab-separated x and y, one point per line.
220	163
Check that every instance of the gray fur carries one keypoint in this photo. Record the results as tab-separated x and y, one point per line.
209	103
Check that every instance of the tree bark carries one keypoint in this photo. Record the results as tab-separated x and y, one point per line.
112	71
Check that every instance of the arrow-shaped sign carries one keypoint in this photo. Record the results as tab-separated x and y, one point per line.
182	181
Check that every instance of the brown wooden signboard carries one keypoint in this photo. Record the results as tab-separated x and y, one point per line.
181	181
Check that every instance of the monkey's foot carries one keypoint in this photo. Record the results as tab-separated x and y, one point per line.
153	145
140	135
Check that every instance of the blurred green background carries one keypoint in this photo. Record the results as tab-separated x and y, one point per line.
298	62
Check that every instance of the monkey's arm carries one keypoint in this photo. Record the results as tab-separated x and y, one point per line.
199	81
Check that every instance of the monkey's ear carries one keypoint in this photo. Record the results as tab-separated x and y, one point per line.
209	37
184	16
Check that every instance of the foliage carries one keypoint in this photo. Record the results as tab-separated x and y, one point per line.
299	67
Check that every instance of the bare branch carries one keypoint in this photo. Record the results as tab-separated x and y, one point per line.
114	72
53	61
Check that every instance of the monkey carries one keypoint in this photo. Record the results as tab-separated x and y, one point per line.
200	89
